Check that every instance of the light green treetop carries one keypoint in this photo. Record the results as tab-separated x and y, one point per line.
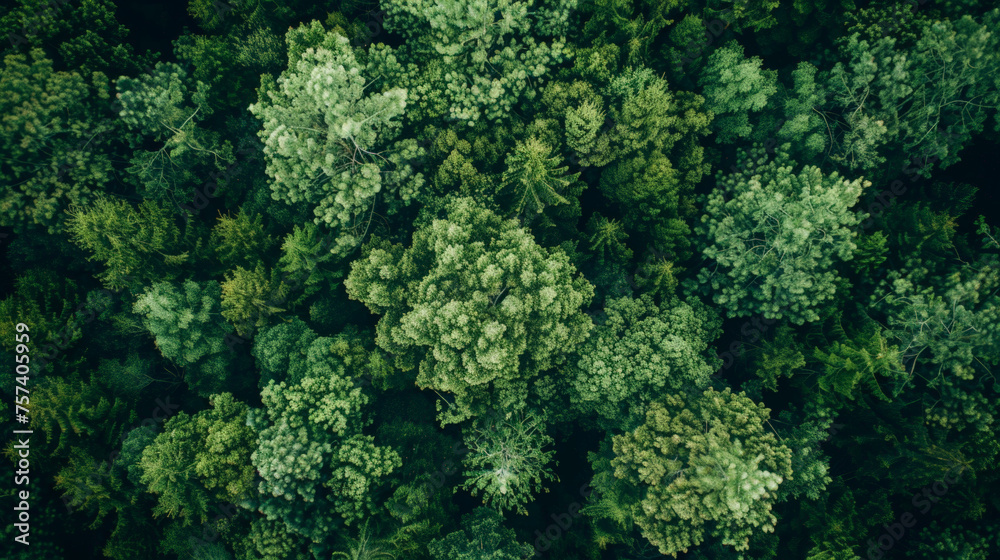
328	141
476	302
699	466
641	351
772	246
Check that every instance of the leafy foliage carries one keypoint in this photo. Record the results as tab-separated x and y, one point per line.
774	243
701	466
639	352
329	145
511	313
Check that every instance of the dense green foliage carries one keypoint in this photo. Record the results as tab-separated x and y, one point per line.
500	279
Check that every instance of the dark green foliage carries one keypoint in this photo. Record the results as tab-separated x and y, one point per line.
137	245
189	330
482	530
75	414
317	278
53	141
85	34
47	304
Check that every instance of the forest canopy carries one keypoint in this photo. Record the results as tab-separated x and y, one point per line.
500	279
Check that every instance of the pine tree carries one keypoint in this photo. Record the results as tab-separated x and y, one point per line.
506	461
240	241
138	246
482	531
533	179
250	297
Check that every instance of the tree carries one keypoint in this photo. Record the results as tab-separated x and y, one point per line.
937	542
168	471
231	63
803	128
163	107
775	242
883	104
240	241
635	26
270	539
125	379
189	330
200	460
646	137
74	414
329	143
851	361
54	145
249	298
282	351
506	461
639	352
48	304
607	258
306	261
477	304
696	466
533	179
223	457
333	471
365	547
948	332
358	469
735	85
138	246
482	536
473	59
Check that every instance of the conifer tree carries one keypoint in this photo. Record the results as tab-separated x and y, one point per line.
138	246
506	460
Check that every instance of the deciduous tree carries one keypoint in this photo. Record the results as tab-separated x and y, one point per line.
774	244
477	304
